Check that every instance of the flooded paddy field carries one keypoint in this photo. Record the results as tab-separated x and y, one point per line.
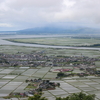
97	63
9	49
12	81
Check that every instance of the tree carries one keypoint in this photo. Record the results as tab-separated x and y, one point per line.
37	97
81	96
59	98
60	74
74	96
78	96
58	84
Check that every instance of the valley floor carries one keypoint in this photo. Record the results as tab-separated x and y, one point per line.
11	81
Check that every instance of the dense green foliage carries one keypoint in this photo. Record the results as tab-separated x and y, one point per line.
78	96
60	74
37	97
74	96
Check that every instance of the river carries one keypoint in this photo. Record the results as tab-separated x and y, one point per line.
4	42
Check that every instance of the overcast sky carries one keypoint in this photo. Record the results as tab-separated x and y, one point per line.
22	14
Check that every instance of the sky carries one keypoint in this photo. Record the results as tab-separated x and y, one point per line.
23	14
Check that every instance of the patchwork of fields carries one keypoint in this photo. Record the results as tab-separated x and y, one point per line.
60	41
49	51
13	80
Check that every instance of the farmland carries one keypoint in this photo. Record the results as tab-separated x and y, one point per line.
9	49
12	82
60	41
12	79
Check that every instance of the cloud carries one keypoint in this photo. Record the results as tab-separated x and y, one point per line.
5	25
79	10
33	13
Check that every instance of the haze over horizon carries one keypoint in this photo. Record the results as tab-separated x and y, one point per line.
23	14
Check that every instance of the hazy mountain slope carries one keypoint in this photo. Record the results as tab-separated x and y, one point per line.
55	30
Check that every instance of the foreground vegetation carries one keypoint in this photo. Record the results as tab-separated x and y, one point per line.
75	96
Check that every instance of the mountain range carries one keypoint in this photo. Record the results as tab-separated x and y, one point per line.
54	30
58	30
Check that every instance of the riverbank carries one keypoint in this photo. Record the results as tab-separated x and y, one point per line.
5	42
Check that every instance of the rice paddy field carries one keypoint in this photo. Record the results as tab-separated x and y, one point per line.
49	51
97	63
12	79
60	41
12	82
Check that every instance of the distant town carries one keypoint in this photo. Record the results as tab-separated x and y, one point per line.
41	59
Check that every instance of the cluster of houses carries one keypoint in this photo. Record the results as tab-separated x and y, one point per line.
40	59
41	86
62	70
87	71
75	60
